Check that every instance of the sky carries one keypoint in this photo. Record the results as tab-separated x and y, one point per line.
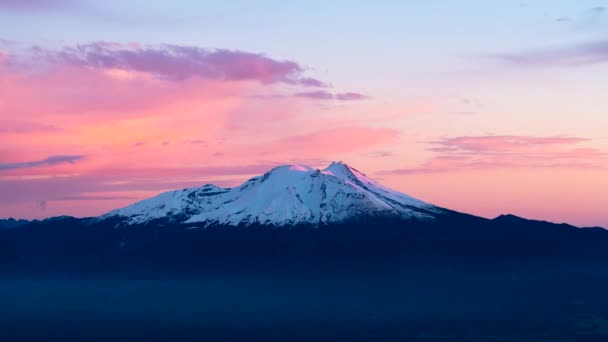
482	107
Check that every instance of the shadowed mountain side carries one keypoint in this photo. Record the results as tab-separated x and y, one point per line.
12	223
453	240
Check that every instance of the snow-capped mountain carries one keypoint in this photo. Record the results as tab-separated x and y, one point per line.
286	195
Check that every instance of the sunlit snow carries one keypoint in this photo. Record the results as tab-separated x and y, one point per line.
286	195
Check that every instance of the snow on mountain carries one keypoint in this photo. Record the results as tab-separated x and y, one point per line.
286	195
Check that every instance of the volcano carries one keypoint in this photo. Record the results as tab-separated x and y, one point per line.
284	196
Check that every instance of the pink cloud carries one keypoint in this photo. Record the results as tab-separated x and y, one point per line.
16	126
4	57
316	95
101	181
83	91
325	95
582	54
32	4
499	143
145	170
335	141
350	96
312	82
127	80
49	161
494	152
176	62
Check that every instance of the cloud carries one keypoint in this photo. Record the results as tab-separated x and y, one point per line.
49	161
84	91
86	9
582	54
497	143
94	198
315	95
184	162
175	62
351	97
104	181
127	80
590	19
334	141
8	42
4	57
33	5
325	95
110	81
197	141
490	152
312	82
26	127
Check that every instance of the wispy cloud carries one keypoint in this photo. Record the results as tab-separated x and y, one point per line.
315	95
336	141
103	183
177	62
91	10
350	96
8	42
4	57
575	55
108	79
94	198
26	127
325	95
497	143
487	152
49	161
33	5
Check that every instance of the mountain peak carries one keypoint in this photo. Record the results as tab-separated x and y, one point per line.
340	170
338	165
508	218
291	167
285	195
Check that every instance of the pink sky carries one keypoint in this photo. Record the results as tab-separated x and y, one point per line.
89	127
